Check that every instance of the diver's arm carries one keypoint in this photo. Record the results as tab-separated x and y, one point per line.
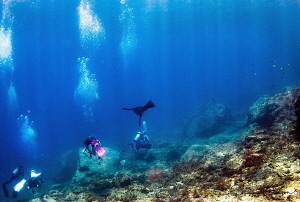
84	149
146	138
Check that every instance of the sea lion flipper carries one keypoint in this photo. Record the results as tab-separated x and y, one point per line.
127	109
140	120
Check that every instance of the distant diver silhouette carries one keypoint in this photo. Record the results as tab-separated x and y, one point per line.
140	110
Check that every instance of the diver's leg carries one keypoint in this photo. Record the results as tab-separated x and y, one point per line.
4	185
10	180
137	146
146	154
90	149
100	160
5	190
15	194
133	147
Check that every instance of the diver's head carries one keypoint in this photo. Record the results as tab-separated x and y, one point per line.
21	168
33	174
92	138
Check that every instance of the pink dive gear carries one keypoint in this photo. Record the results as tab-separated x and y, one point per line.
99	150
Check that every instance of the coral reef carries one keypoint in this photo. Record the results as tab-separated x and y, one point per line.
259	162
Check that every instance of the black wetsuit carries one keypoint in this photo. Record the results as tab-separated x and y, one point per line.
17	175
34	182
142	142
89	146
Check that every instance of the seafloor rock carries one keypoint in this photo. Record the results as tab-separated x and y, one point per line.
196	146
297	111
122	180
263	112
68	165
269	109
93	168
206	121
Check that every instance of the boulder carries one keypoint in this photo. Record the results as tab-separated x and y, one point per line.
207	120
94	168
67	165
268	110
263	111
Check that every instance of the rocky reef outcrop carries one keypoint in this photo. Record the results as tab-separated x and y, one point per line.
93	169
269	110
207	120
297	111
67	165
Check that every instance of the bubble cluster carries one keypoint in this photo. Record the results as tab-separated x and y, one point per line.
86	93
91	29
128	41
152	4
5	45
6	52
27	131
12	98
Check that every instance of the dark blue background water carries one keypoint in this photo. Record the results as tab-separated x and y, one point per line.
185	53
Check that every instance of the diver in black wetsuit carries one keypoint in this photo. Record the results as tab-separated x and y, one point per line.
89	147
18	177
35	180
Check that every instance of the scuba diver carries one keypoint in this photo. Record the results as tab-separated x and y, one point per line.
35	180
93	146
18	177
88	146
141	139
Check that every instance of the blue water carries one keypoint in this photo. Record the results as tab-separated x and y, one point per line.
70	66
